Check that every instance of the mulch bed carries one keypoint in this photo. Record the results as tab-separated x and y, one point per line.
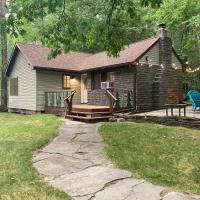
171	121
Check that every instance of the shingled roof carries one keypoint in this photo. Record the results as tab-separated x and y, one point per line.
37	56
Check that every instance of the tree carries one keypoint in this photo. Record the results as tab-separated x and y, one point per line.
183	21
4	55
81	24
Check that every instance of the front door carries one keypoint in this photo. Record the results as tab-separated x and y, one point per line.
84	88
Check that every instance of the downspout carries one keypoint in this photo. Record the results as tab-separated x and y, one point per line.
135	88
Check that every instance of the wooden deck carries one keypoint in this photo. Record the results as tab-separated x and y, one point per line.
90	112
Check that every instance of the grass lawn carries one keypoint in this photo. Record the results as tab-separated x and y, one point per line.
169	156
20	136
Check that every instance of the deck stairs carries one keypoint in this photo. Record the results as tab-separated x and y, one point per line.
87	112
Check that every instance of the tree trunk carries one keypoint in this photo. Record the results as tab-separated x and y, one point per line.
4	55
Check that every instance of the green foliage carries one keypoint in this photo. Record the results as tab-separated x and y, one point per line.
129	100
191	81
78	25
117	103
183	21
88	25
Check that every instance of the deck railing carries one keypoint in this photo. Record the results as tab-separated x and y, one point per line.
112	100
69	101
124	99
56	98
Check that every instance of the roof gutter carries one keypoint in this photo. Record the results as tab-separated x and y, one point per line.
54	69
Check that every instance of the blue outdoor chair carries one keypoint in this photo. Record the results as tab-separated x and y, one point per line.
194	98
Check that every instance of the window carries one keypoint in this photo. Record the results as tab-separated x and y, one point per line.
111	76
14	87
99	77
66	82
96	81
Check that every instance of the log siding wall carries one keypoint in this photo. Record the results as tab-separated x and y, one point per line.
152	54
145	79
124	80
169	79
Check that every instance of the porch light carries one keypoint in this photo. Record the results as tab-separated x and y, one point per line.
162	66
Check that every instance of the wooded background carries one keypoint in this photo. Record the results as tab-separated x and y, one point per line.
96	25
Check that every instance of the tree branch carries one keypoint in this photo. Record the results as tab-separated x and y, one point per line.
64	6
114	3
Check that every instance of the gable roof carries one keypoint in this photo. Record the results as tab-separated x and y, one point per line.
37	56
130	54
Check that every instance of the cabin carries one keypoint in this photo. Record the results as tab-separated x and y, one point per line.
145	76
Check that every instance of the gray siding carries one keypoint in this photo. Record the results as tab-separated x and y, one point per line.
48	81
176	61
26	98
145	79
153	55
95	97
124	81
168	79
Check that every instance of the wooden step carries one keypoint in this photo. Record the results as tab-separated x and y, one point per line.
90	108
88	118
90	114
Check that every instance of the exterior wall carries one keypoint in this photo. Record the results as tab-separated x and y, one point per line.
156	59
145	79
95	97
49	81
176	61
26	98
168	79
153	55
124	81
171	80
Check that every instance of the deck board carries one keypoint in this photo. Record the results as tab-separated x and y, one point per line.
89	108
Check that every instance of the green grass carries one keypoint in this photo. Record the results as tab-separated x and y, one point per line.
20	136
169	156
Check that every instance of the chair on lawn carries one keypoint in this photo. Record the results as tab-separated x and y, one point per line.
194	98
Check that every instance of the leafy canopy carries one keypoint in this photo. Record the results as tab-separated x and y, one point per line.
79	25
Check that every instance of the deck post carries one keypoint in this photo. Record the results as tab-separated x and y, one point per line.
112	100
69	101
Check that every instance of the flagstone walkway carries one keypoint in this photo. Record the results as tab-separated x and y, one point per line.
75	163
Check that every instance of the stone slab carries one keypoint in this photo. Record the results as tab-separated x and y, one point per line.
146	191
88	181
118	191
62	148
179	196
130	189
41	156
89	137
58	165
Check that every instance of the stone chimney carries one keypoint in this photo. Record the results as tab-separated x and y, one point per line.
165	47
